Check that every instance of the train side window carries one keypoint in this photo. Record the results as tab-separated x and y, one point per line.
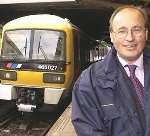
84	53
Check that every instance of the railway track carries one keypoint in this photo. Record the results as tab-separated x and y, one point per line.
16	123
28	124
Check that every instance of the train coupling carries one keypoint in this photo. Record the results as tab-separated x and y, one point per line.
26	107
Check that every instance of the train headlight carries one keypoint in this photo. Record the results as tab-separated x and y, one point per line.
53	78
8	75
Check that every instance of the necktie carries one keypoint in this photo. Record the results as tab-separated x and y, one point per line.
137	84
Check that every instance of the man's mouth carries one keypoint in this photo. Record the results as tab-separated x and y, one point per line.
130	46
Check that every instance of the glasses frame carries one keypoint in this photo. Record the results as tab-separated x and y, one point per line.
135	31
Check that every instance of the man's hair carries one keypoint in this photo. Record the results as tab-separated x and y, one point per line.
138	8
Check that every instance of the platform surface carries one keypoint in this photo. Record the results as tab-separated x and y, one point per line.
63	126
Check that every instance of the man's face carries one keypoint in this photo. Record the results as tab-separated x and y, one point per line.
129	34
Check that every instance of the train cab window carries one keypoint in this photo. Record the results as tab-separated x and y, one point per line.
13	45
49	45
34	45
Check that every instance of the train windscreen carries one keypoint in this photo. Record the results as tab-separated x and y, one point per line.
34	45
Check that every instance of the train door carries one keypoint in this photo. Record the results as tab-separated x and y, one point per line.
77	64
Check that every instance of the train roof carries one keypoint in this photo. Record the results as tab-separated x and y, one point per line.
38	21
42	21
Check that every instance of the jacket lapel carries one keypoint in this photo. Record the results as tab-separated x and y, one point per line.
147	93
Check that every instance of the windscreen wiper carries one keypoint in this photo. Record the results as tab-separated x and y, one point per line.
16	52
41	49
25	47
20	53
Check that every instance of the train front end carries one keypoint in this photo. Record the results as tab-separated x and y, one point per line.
36	67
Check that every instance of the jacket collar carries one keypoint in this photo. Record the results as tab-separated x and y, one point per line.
106	70
111	62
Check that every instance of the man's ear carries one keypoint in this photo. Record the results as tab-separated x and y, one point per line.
147	34
111	36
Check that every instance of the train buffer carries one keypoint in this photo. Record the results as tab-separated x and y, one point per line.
63	126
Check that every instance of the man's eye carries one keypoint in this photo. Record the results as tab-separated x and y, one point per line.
137	30
122	32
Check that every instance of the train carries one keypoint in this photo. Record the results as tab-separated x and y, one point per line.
41	56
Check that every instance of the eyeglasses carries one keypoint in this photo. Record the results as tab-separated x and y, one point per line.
135	31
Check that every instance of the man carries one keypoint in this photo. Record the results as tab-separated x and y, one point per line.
112	97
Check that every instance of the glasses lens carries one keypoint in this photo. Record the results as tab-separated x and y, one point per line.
135	31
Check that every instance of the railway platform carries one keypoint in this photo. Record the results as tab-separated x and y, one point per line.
63	126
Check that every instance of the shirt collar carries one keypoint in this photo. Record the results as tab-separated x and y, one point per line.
138	62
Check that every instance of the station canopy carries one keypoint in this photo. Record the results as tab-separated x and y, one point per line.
31	1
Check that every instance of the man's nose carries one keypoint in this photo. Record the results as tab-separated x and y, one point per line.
130	36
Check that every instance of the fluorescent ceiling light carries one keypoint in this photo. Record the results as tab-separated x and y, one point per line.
32	1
